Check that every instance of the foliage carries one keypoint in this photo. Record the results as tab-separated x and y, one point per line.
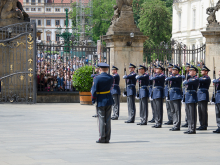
136	9
52	52
73	14
199	71
82	79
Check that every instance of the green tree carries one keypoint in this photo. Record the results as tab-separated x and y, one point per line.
137	4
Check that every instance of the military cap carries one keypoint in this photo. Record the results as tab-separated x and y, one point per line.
175	67
205	68
103	65
114	68
193	68
132	66
187	65
142	67
160	67
170	65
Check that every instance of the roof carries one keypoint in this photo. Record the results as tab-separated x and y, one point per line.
65	1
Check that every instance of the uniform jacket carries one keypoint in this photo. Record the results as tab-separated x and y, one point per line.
131	83
166	87
115	87
217	95
184	77
203	92
144	82
191	90
158	89
102	83
175	87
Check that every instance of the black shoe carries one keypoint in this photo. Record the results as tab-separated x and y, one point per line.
106	141
186	132
114	118
152	121
100	141
175	129
169	123
191	132
201	128
95	116
185	125
156	126
129	121
216	131
138	123
143	123
153	126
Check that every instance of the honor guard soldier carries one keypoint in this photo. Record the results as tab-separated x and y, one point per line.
175	97
203	98
191	99
143	94
186	77
102	95
153	73
93	76
131	93
158	95
217	102
116	92
169	114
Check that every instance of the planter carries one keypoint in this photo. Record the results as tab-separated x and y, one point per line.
85	98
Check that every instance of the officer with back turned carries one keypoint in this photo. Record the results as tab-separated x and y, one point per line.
101	94
116	92
158	95
175	96
131	93
169	114
203	98
191	99
143	81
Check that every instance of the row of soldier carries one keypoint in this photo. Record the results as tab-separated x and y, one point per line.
176	88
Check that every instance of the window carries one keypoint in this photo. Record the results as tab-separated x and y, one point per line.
48	22
39	37
27	1
39	1
48	9
57	9
33	21
33	1
27	9
179	14
57	22
48	37
57	38
39	22
39	9
194	19
33	9
64	22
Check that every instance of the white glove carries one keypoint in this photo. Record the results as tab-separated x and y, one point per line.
184	81
166	79
124	95
150	99
137	98
124	76
137	76
213	80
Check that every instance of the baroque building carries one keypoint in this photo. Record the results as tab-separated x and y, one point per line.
189	19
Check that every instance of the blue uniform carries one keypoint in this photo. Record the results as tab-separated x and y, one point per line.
131	83
175	87
166	87
94	75
217	95
115	88
144	82
158	91
101	90
203	93
217	103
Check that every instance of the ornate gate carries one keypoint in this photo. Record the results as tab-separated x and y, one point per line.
17	63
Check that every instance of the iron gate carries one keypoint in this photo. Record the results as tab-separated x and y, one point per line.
17	63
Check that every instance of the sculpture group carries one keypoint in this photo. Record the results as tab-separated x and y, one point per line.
211	12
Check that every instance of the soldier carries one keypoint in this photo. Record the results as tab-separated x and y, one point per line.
93	76
157	96
184	77
116	92
191	99
217	102
143	94
131	92
102	95
169	114
203	98
153	73
175	95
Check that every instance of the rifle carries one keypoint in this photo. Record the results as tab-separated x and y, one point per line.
125	73
138	84
214	77
184	96
153	81
167	75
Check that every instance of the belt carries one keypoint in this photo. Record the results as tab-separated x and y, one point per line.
115	84
158	87
102	93
143	86
203	89
175	88
191	90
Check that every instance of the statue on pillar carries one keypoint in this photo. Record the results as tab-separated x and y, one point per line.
211	11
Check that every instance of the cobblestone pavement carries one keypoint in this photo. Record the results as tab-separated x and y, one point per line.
65	134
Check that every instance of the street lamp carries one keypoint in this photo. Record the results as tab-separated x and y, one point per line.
130	42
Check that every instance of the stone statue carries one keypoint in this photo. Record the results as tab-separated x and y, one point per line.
211	11
8	10
116	15
120	3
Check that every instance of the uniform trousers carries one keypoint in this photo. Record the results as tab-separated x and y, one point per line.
191	116
217	111
176	111
144	109
153	111
104	116
203	113
169	113
116	105
131	107
158	107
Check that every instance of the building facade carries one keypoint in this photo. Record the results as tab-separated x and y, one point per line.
189	19
48	15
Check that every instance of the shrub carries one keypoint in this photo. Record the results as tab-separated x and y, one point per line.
82	79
